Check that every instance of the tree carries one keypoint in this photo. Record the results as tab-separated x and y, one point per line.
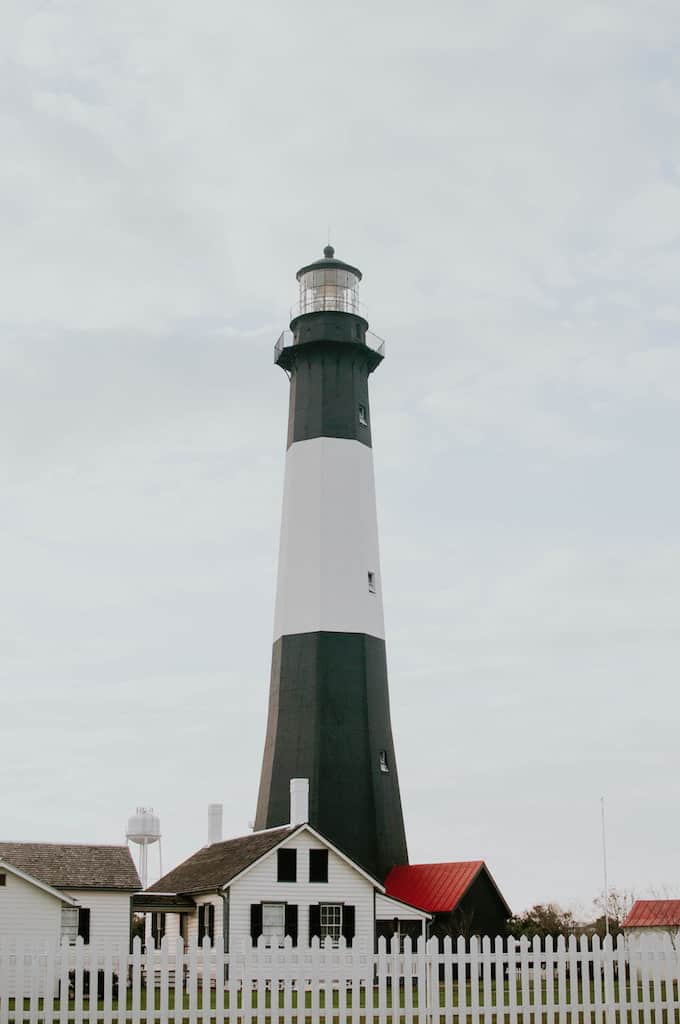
543	919
616	905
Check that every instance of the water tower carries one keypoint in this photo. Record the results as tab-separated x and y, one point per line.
144	829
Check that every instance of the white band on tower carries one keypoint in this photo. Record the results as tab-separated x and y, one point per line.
329	565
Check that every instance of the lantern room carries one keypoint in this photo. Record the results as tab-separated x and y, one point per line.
328	284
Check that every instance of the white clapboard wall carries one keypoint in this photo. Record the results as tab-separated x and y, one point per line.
500	981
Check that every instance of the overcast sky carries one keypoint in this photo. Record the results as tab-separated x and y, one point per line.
507	176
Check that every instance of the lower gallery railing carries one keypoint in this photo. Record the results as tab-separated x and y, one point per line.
500	981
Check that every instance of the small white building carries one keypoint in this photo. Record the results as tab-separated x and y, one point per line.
653	917
54	890
288	881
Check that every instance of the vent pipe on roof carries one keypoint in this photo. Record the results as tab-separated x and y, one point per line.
299	801
214	823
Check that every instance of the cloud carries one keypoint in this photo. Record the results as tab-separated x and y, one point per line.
508	181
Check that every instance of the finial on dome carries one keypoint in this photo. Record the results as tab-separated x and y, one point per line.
329	252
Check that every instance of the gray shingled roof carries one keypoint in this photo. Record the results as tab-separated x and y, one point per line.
215	865
74	865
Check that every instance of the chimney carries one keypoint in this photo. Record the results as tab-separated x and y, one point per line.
299	801
214	823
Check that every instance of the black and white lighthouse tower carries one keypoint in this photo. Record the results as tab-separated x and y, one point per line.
329	715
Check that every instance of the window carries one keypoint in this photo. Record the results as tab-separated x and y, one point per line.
286	865
330	922
318	865
382	761
69	924
206	922
157	928
371	583
84	924
274	923
3	879
363	415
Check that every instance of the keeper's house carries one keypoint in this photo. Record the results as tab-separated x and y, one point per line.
51	891
288	881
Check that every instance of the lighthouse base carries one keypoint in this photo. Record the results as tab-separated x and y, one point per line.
329	722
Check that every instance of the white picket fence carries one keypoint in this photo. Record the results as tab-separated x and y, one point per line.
478	982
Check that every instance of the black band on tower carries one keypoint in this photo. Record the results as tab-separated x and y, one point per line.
329	392
329	722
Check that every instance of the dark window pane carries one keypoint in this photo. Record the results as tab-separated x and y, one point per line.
318	865
84	924
287	865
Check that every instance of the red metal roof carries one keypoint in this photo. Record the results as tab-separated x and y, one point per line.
653	914
433	887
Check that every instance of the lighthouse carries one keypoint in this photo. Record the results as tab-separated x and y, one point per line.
329	714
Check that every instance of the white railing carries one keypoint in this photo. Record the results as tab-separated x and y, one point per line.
480	982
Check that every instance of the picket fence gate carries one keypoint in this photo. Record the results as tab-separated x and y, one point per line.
500	981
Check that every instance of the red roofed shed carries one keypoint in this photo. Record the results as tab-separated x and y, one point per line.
653	914
461	894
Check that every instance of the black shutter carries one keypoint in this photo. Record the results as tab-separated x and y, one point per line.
201	922
210	926
314	921
84	924
255	921
292	922
348	918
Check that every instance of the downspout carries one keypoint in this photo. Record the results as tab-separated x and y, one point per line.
224	895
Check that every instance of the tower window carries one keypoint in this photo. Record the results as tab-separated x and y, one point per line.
286	866
363	415
371	583
382	762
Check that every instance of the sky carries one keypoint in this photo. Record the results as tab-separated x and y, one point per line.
507	177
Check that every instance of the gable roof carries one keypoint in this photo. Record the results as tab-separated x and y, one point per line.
653	914
74	865
215	865
18	873
438	888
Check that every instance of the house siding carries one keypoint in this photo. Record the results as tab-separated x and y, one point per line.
27	912
109	915
260	885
